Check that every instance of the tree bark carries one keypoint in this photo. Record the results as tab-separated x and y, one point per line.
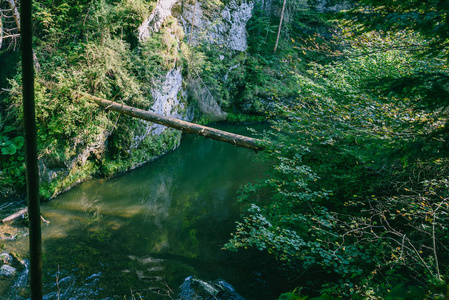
1	30
32	170
280	26
212	133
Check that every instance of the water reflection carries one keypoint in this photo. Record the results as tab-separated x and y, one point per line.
151	228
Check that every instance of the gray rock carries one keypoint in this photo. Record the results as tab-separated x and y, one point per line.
170	98
196	289
232	30
7	271
206	102
156	19
228	28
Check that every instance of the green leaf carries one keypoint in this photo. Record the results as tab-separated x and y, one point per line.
8	129
18	141
4	141
9	150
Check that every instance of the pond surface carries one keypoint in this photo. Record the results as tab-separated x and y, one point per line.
143	233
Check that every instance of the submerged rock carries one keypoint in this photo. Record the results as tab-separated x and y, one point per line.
7	271
196	289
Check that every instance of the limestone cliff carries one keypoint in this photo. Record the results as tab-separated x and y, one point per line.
109	143
226	27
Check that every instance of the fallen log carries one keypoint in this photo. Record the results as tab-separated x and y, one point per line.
20	213
208	132
15	215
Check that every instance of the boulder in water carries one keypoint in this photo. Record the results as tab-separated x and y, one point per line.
196	289
7	271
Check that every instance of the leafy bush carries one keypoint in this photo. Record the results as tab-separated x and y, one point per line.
358	191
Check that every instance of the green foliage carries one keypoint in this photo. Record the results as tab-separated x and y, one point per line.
358	187
9	60
12	156
294	295
242	83
248	82
244	118
425	19
10	146
262	77
161	52
89	46
300	20
428	18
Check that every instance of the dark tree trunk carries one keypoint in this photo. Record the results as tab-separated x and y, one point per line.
32	171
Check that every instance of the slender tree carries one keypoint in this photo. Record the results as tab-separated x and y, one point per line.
280	26
193	22
32	171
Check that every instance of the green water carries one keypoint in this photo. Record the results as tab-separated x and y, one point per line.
143	233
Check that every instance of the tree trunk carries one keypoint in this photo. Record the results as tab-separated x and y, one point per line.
280	26
193	22
212	133
1	30
32	170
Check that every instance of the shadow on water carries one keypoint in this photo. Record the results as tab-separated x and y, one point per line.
145	232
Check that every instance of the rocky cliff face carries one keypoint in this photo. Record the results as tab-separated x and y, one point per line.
227	27
222	26
169	93
154	22
170	100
